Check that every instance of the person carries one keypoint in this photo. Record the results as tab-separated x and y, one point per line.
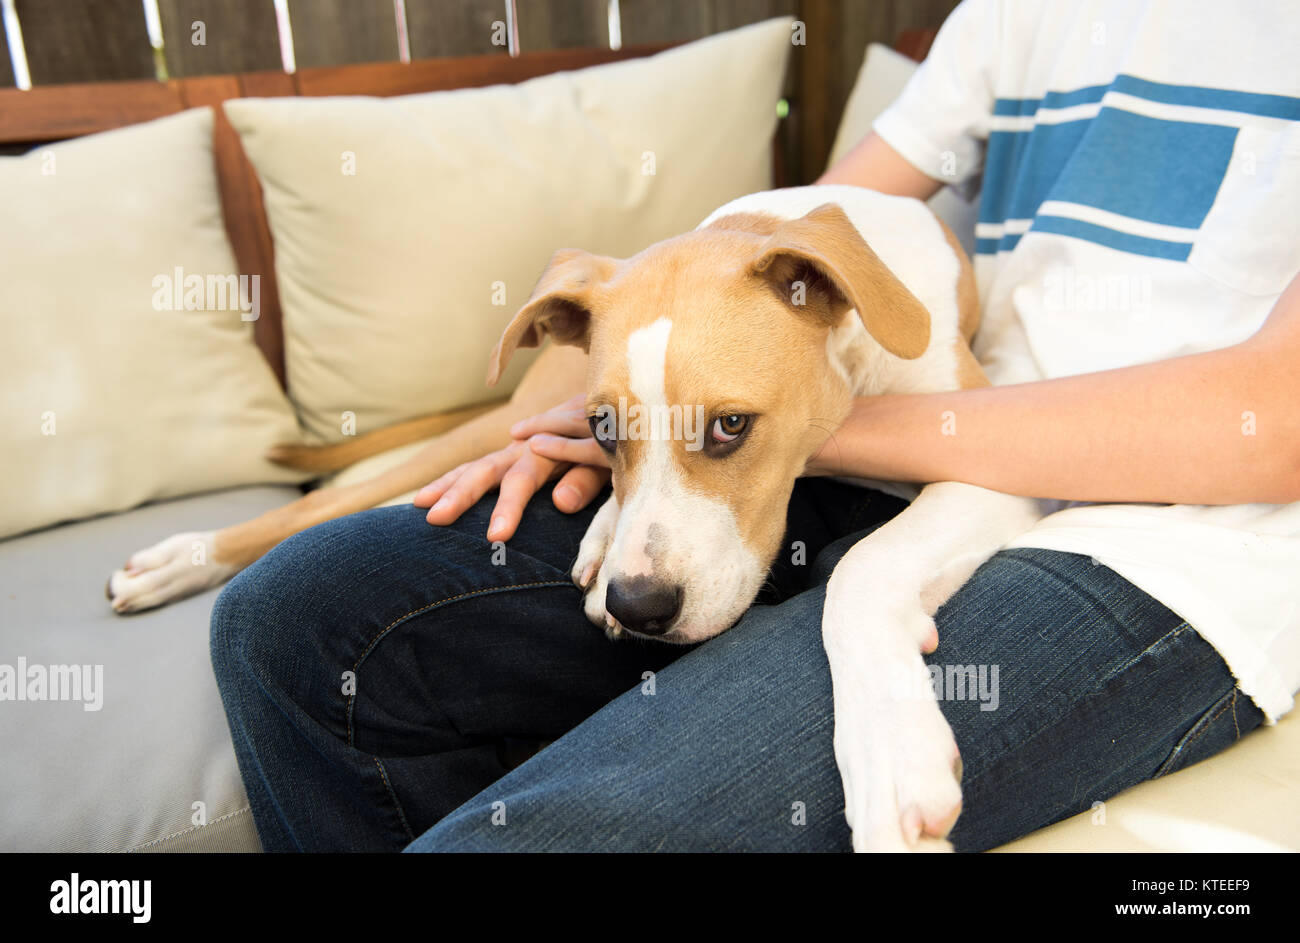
1136	256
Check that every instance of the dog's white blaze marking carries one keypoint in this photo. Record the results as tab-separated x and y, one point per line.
698	542
647	366
647	362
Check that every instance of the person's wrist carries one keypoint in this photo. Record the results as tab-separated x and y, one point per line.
820	464
828	459
842	450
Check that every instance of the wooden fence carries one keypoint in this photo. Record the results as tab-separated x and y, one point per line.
79	41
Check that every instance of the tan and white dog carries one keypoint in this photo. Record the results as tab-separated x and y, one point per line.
766	321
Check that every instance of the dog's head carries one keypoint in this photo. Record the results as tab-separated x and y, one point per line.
719	362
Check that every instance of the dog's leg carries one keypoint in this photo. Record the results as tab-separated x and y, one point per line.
176	568
588	573
898	761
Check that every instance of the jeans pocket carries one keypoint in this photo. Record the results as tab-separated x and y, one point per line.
1226	722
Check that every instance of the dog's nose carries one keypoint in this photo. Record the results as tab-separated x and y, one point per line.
642	604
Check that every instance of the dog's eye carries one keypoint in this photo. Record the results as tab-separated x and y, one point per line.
728	429
604	432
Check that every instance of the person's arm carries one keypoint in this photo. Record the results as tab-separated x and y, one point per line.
875	165
1221	427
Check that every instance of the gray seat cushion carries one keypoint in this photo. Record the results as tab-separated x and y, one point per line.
127	776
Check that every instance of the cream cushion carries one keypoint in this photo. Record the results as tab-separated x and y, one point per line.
408	230
108	401
125	777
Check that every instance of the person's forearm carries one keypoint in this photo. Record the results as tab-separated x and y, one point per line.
1215	428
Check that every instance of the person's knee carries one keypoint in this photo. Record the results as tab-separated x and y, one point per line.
229	622
314	603
244	618
261	617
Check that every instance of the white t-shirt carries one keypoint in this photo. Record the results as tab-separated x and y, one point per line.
1139	175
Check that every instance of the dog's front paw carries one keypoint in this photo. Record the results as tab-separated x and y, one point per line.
901	773
173	569
588	573
898	761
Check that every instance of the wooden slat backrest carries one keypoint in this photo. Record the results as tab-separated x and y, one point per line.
6	70
558	24
57	112
219	37
339	32
85	40
458	28
382	78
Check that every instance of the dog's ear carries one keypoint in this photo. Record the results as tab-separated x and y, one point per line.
825	254
560	306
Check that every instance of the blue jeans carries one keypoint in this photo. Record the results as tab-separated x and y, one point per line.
381	675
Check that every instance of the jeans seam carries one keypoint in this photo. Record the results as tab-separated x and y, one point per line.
370	646
1146	651
397	803
1202	724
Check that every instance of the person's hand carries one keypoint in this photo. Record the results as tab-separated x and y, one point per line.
563	434
519	470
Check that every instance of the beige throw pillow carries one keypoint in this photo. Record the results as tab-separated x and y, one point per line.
120	380
408	230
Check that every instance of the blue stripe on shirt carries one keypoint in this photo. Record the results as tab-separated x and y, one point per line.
1158	171
1223	99
1155	170
1022	167
992	246
1027	106
1197	96
1104	235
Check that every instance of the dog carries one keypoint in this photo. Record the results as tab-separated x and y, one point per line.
766	320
